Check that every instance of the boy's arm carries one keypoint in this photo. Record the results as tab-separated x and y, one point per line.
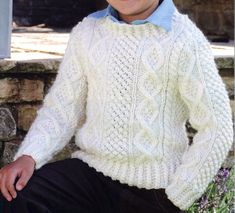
203	91
62	108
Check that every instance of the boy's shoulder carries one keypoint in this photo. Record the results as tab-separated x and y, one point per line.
83	31
190	33
87	23
182	22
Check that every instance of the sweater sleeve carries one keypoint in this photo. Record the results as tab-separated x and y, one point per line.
204	93
62	110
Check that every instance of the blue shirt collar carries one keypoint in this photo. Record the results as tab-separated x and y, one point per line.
162	16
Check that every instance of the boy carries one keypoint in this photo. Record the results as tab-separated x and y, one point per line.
131	76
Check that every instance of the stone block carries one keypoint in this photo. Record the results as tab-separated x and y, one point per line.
26	116
30	66
13	90
39	66
7	124
6	65
224	62
9	88
31	90
9	152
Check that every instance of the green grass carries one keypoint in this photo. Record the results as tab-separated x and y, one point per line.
219	196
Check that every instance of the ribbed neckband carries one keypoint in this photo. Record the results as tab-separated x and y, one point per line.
124	28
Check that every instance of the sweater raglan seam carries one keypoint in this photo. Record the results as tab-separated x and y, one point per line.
212	143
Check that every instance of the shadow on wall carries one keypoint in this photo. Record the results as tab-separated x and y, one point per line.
214	17
54	13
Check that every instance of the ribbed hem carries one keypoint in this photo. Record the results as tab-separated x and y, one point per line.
182	194
148	175
35	156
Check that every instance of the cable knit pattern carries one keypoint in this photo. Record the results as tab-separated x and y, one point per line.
55	123
126	92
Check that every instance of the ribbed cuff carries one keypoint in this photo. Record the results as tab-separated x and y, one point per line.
182	194
37	160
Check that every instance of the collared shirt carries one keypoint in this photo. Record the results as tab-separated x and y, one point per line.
162	16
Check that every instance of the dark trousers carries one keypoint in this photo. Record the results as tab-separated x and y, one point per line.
71	186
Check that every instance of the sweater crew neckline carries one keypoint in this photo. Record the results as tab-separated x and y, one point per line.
125	28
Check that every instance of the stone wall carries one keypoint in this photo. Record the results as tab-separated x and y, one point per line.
23	85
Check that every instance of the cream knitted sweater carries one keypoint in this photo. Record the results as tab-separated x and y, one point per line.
125	92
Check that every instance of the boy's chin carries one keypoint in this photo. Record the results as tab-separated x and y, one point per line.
128	12
127	8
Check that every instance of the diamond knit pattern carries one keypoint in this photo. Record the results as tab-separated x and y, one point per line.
120	74
148	109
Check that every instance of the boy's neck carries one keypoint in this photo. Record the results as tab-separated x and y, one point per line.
138	16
